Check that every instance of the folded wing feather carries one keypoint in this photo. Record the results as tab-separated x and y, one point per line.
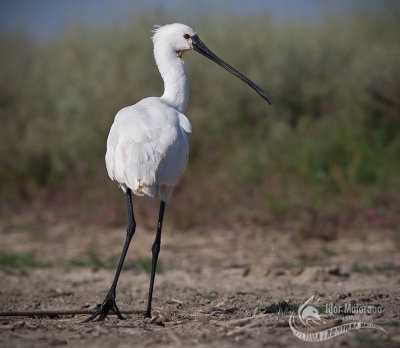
147	147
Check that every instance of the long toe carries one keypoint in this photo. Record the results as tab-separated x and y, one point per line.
102	312
116	311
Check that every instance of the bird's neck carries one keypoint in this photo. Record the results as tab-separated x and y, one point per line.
172	70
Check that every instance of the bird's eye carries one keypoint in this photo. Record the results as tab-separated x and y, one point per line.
186	36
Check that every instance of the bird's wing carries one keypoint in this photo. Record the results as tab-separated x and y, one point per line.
147	147
185	123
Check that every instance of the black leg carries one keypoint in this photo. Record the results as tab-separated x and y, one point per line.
109	302
155	249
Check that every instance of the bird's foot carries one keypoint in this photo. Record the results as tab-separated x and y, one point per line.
102	312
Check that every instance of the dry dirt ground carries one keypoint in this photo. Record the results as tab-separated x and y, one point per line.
213	289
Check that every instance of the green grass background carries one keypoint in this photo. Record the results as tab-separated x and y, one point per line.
329	145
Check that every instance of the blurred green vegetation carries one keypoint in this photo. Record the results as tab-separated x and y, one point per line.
9	263
144	265
96	260
329	143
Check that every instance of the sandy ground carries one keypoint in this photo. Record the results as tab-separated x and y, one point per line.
213	289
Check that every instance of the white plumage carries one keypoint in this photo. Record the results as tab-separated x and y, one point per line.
147	148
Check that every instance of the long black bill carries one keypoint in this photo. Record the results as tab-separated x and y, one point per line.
200	47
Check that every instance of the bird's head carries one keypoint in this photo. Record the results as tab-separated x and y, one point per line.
178	36
182	38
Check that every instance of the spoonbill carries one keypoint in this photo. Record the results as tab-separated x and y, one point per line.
147	147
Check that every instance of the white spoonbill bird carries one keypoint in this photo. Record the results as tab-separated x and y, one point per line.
147	148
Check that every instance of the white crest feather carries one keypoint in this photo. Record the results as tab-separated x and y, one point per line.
156	27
